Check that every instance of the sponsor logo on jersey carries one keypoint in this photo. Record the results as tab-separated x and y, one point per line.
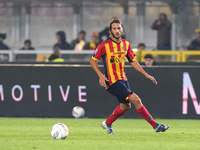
119	53
112	47
118	60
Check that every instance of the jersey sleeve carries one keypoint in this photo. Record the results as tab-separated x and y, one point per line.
100	51
130	54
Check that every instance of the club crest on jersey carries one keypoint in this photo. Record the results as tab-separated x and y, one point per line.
123	47
96	51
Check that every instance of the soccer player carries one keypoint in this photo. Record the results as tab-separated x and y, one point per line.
114	52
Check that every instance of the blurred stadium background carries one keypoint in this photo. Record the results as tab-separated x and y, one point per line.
40	20
35	94
32	87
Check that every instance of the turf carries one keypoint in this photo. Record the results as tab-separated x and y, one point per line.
86	134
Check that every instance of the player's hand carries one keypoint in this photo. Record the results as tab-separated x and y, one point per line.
152	79
102	81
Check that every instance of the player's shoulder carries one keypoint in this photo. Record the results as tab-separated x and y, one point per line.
124	40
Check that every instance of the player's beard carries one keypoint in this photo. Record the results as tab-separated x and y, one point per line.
113	35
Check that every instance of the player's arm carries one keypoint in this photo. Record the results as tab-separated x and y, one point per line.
102	78
137	66
131	58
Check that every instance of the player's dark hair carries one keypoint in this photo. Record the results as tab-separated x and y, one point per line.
115	20
148	56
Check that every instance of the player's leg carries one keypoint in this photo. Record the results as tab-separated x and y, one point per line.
119	110
140	108
135	100
120	90
125	106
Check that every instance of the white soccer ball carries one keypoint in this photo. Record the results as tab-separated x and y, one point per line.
59	131
78	112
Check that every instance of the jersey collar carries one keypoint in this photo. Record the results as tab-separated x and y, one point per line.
115	42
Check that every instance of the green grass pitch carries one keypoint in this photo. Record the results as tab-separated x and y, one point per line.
86	134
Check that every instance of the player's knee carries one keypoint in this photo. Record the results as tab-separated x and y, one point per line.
128	106
125	107
135	99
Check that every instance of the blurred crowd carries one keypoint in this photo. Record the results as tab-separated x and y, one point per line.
162	25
